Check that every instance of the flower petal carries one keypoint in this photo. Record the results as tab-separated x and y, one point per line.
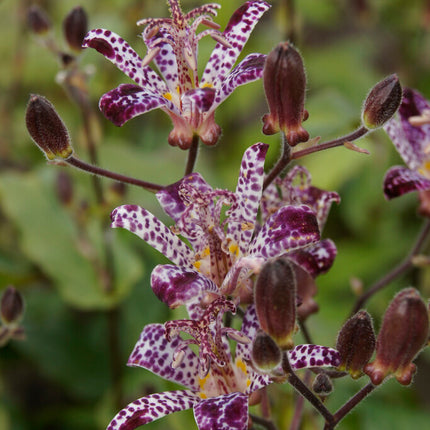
316	259
248	191
153	352
127	101
120	53
289	228
176	286
249	328
248	70
151	408
303	356
400	180
165	60
410	141
170	198
145	225
236	33
228	412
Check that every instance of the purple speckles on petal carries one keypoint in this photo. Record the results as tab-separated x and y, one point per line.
151	408
289	228
155	353
102	46
313	356
131	217
228	412
400	180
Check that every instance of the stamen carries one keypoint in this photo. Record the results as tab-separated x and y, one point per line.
150	56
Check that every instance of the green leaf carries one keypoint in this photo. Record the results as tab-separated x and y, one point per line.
51	239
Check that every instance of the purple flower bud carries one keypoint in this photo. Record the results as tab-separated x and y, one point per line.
284	81
356	343
47	128
266	355
382	102
11	306
75	27
38	20
404	332
275	301
322	385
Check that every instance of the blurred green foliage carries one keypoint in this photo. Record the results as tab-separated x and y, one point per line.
78	329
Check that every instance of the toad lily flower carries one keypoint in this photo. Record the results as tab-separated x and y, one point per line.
219	226
410	133
172	45
220	399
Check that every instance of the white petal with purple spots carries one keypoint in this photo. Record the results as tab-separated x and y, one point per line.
236	33
248	192
400	180
120	53
151	408
176	286
145	225
289	228
153	352
127	101
313	356
228	412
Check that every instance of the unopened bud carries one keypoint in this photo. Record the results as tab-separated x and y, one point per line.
306	290
404	332
38	20
356	343
47	128
322	385
12	306
284	82
382	102
275	301
266	355
75	27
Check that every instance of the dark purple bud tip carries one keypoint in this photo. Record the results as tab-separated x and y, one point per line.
322	385
356	343
47	128
266	355
382	102
11	306
275	301
75	27
284	81
404	332
38	20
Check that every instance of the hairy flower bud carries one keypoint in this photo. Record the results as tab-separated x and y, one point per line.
11	306
322	385
356	343
38	20
404	332
284	81
266	355
47	128
275	301
382	102
75	27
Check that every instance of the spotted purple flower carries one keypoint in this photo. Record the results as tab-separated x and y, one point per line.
172	45
219	225
220	399
296	189
410	133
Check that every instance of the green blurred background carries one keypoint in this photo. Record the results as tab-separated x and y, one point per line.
70	372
